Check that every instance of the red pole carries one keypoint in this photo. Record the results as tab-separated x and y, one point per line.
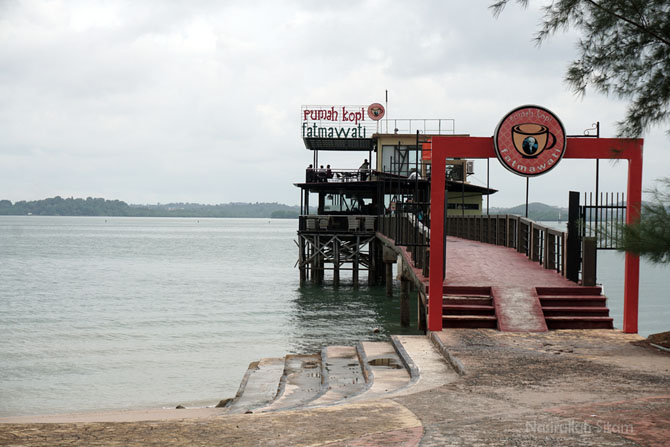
632	263
437	183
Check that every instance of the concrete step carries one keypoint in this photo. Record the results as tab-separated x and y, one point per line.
300	383
579	322
573	301
466	290
467	309
465	299
342	375
386	371
569	291
259	385
567	311
470	321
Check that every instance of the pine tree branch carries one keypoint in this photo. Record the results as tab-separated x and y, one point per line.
630	22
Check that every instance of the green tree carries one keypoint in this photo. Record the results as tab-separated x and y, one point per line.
650	237
624	51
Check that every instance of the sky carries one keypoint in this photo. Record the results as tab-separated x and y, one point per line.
199	101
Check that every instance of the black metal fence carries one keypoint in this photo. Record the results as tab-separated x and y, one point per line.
602	216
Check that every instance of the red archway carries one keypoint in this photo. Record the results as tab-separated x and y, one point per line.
585	148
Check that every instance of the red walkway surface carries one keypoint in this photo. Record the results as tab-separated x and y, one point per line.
511	276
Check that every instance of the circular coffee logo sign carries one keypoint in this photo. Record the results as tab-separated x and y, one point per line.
530	140
376	111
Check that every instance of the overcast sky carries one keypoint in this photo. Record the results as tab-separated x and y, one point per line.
199	101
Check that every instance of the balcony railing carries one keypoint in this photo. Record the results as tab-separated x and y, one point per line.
352	223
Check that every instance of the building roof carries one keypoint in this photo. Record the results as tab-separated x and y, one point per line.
339	144
391	183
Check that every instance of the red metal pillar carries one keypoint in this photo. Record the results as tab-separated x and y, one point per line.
632	263
437	191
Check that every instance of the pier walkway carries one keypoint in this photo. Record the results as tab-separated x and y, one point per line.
512	277
494	286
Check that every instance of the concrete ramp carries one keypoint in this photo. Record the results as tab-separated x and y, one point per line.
518	309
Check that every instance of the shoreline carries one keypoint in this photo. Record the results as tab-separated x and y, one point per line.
125	415
563	387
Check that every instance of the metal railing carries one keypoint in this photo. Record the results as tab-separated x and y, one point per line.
603	216
350	223
409	226
339	175
539	243
437	126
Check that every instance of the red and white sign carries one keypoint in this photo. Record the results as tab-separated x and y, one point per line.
530	140
376	111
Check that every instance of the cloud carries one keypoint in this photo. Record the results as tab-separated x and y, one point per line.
199	101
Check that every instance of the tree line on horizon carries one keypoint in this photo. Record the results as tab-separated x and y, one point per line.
58	206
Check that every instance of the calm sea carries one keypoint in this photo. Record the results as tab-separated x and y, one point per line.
115	313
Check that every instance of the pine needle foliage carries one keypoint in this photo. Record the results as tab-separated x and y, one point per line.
624	51
650	237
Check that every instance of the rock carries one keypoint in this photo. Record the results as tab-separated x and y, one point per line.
223	403
661	339
376	330
180	407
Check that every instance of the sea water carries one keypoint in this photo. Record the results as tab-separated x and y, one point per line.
113	313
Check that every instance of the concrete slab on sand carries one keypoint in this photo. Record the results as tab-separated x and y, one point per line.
259	385
434	371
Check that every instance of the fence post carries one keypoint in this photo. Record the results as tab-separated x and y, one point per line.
589	261
573	243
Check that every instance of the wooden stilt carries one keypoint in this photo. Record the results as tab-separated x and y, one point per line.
301	260
336	262
404	302
355	262
421	315
372	267
389	279
313	264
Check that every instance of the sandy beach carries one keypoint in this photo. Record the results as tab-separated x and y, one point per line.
569	387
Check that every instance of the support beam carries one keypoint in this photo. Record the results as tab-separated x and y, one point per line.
632	263
437	269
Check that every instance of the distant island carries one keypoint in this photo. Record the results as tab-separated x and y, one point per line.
536	211
58	206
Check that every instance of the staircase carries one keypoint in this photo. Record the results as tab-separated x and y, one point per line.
468	307
340	374
574	308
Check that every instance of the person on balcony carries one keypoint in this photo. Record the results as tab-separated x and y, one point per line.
321	174
329	173
364	170
309	174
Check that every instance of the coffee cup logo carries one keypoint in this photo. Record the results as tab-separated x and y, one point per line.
531	139
376	111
